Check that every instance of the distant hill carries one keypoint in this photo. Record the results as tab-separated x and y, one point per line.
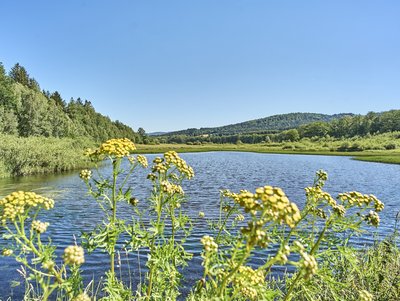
157	133
269	124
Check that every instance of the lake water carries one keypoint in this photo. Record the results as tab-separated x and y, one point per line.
75	211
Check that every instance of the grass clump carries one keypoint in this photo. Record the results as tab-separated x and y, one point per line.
21	156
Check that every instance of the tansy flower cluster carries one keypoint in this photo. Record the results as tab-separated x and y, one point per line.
308	264
256	235
173	158
249	292
74	255
209	244
142	160
282	255
372	218
365	295
81	297
247	280
85	174
7	252
114	148
39	227
19	202
322	175
48	265
359	199
317	195
272	201
170	188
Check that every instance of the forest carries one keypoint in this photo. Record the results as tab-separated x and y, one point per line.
340	126
41	132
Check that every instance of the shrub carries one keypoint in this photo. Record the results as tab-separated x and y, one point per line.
390	146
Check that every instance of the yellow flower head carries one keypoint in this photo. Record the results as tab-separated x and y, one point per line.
142	160
272	201
209	244
116	148
19	202
365	295
39	227
308	264
85	174
172	158
7	252
74	255
81	297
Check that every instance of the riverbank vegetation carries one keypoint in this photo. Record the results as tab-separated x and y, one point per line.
384	148
41	132
312	242
21	156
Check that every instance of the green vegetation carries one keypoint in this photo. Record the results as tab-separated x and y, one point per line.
384	148
309	241
354	132
269	124
41	132
27	111
20	156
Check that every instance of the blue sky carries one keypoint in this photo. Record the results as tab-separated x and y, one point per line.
168	65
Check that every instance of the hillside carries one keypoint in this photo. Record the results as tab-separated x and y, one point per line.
262	125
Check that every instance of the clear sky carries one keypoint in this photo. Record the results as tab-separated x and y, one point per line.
168	64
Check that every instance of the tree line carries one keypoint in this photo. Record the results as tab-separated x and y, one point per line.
26	110
345	127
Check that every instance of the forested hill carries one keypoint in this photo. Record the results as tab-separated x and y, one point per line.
26	110
263	125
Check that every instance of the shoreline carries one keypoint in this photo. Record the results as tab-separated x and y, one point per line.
378	156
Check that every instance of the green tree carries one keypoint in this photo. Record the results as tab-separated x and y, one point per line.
19	74
319	129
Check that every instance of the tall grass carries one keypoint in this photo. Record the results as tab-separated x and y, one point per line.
21	156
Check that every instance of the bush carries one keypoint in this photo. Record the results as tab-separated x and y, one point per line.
390	146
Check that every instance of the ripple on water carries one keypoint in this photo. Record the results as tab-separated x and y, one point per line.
75	211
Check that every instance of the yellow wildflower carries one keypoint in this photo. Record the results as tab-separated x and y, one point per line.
74	255
19	202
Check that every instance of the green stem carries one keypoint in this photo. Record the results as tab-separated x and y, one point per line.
321	235
292	287
115	164
313	250
151	247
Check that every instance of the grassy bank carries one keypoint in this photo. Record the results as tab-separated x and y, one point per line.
382	156
21	156
34	155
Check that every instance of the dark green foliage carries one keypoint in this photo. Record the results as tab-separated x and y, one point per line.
340	126
27	111
19	74
262	125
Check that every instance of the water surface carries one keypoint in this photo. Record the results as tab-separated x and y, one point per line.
75	211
